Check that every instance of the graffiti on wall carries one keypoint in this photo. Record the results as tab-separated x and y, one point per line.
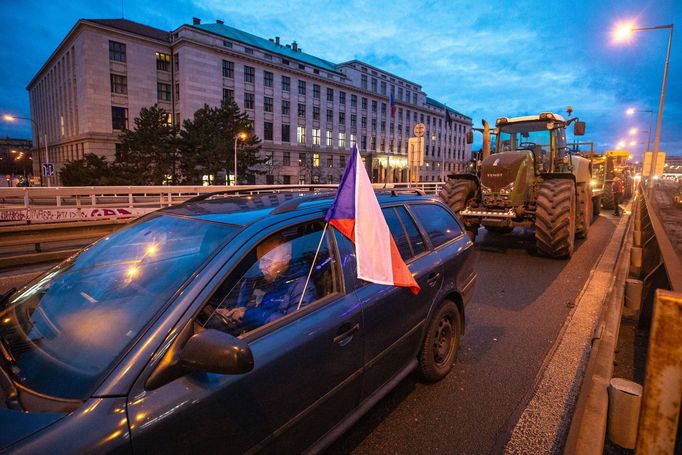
71	214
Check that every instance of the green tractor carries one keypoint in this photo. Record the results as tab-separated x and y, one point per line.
531	180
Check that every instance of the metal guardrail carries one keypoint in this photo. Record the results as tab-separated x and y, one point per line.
63	204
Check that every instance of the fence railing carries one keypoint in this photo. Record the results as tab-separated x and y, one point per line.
63	204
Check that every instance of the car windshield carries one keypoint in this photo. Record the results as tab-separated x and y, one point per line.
66	328
533	136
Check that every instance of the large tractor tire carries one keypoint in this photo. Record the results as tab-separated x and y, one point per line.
596	205
584	218
555	218
607	196
457	192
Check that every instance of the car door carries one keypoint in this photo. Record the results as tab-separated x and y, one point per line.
306	378
393	315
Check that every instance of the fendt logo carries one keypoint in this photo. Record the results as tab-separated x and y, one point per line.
499	174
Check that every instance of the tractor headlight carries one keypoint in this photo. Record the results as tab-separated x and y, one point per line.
506	190
485	191
594	182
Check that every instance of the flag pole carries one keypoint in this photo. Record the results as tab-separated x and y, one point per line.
312	266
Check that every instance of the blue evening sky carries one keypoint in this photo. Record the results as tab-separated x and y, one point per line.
484	59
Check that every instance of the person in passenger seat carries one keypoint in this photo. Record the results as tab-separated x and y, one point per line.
272	289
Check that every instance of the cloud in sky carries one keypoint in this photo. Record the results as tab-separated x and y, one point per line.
483	59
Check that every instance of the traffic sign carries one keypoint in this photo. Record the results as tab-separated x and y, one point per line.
48	169
419	129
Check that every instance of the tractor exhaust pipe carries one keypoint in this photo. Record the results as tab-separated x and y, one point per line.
485	150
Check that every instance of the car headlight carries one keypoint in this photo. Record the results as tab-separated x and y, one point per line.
507	189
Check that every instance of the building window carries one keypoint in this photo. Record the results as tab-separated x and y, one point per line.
316	113
286	179
330	161
383	109
342	98
342	140
267	104
267	78
163	61
248	50
363	142
330	116
364	103
286	83
353	100
286	158
228	69
119	118
286	134
177	92
374	124
330	94
249	100
270	179
119	84
300	134
414	98
342	118
163	91
353	121
342	161
329	138
117	51
316	91
400	93
301	159
301	87
363	122
363	82
301	110
316	136
374	106
228	95
285	107
316	160
176	61
353	139
267	132
374	85
383	87
249	74
316	179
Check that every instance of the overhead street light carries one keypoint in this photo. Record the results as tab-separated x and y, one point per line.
633	111
237	137
12	118
623	33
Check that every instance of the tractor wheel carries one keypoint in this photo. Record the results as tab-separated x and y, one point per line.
555	218
596	205
607	197
457	192
582	222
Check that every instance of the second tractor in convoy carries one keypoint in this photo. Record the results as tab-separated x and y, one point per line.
531	180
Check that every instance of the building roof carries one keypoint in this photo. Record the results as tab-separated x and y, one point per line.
432	102
266	45
133	27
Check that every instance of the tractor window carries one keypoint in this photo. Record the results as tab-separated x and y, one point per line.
527	136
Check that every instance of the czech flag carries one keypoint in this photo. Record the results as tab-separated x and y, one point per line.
392	105
356	213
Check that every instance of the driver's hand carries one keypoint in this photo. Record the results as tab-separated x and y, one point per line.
236	314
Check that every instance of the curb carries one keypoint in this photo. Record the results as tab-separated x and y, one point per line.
544	423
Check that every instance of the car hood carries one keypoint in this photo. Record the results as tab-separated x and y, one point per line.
17	425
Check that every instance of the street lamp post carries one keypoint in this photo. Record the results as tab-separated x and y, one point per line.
632	111
238	136
11	118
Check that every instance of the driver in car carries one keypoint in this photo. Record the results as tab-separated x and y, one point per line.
270	289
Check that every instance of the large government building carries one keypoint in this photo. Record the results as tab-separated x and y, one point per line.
308	111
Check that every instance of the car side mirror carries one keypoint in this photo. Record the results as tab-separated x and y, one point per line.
579	128
470	137
214	351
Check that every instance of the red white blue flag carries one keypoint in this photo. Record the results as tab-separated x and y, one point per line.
392	105
356	213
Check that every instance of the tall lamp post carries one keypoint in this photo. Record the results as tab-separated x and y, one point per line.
12	118
237	137
622	34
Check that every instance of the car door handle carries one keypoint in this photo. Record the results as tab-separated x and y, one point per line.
432	280
347	334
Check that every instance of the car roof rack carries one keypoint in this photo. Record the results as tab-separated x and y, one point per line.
259	189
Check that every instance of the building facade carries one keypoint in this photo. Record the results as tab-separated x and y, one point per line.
308	112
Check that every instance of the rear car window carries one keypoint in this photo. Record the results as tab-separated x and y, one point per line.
416	239
397	232
439	224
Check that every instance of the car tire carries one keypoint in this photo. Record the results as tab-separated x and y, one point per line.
439	349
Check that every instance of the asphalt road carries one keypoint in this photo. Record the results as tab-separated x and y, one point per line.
518	309
517	312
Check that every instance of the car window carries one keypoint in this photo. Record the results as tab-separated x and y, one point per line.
416	240
398	233
438	223
272	280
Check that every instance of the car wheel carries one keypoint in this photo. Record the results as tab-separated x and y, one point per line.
441	342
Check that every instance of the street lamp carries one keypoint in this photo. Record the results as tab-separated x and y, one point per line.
633	111
237	137
621	144
622	34
12	118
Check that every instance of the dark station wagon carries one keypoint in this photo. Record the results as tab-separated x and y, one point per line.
214	326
